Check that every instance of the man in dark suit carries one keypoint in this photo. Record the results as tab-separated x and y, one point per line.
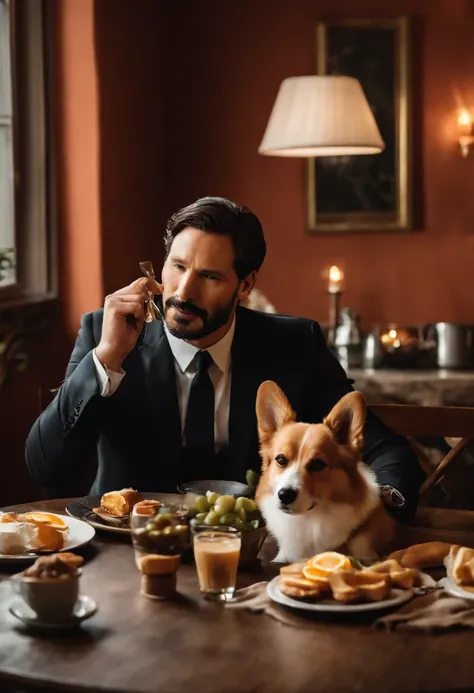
166	402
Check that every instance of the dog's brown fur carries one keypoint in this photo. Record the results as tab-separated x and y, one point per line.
345	492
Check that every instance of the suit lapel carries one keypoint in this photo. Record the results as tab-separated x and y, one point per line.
246	377
158	366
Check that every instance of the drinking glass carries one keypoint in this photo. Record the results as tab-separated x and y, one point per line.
216	552
159	536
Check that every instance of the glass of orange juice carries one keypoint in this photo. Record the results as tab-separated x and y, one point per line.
216	552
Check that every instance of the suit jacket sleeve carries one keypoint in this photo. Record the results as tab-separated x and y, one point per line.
388	454
66	433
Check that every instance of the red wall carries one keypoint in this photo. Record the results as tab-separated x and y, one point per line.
159	103
222	76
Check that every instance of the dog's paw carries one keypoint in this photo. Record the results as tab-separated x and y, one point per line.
281	558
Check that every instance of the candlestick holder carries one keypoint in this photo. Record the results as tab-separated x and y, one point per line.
334	300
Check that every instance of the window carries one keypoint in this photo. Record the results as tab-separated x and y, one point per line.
27	248
7	186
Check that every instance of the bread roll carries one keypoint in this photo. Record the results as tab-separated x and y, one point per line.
120	503
428	555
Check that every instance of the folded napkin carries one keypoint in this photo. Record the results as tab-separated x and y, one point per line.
255	599
432	610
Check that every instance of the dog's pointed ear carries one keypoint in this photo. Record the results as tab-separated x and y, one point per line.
346	420
273	410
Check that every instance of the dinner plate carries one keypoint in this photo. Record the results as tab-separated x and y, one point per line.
455	590
83	509
79	533
397	596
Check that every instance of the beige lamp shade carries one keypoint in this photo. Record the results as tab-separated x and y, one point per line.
321	116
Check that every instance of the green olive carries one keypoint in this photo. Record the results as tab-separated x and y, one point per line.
252	478
155	534
150	526
181	529
240	512
238	524
192	512
200	517
212	497
228	519
162	521
202	504
224	504
212	518
246	503
168	530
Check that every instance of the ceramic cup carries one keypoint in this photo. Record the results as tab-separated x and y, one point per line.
52	599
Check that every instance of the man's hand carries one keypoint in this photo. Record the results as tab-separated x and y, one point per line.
124	315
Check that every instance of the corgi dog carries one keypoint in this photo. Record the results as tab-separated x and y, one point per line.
315	493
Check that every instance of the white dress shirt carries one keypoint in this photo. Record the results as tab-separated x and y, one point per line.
220	372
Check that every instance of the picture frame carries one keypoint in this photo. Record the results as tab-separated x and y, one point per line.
367	192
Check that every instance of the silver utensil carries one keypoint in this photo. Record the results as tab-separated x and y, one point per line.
152	310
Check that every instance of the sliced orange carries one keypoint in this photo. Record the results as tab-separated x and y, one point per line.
9	517
49	538
321	566
46	519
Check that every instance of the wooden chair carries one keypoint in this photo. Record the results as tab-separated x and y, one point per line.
418	422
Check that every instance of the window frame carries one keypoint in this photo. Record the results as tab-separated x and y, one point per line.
34	202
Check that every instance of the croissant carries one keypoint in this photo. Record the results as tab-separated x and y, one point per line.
120	503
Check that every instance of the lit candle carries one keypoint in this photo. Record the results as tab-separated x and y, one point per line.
336	277
465	123
466	132
391	338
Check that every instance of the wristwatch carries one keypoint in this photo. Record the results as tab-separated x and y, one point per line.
392	497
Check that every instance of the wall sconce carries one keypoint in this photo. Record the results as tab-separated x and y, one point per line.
466	132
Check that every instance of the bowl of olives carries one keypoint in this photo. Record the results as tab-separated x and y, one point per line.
164	530
216	510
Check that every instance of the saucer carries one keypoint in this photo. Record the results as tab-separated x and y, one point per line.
84	608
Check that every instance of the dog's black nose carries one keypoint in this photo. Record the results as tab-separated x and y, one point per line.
287	495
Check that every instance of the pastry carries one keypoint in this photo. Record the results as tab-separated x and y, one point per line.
400	576
427	555
120	503
154	564
360	586
146	507
70	558
52	567
460	565
300	588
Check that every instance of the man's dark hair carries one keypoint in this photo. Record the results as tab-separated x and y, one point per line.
221	216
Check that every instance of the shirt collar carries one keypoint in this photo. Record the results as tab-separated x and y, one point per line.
184	352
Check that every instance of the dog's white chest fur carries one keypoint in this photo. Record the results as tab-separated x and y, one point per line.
327	527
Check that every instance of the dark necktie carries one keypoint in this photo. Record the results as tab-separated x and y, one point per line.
199	428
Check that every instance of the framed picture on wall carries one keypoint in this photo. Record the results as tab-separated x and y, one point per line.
367	192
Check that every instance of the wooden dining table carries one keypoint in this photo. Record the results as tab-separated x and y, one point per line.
190	645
